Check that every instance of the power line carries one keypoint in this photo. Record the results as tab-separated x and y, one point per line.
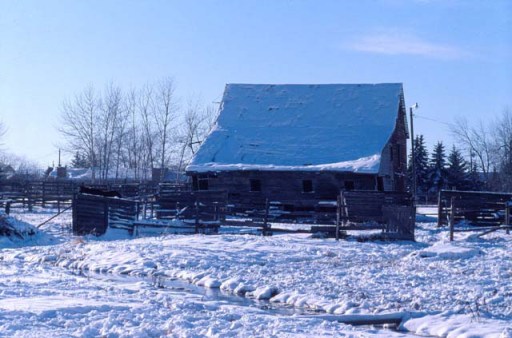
433	120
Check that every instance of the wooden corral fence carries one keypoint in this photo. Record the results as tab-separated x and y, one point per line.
94	214
204	209
59	193
392	213
27	194
483	211
262	212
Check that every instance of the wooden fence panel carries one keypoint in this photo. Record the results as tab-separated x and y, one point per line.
94	214
89	215
475	207
367	206
48	193
199	205
394	211
400	221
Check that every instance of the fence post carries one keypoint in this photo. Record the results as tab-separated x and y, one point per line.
8	207
452	218
144	207
29	200
338	216
344	208
74	213
266	231
105	215
508	205
439	211
43	197
197	218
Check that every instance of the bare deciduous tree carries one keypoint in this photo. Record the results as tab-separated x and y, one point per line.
78	125
23	167
198	121
476	142
133	150
164	114
109	122
139	129
144	106
491	146
503	146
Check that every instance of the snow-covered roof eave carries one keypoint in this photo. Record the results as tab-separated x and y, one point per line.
365	165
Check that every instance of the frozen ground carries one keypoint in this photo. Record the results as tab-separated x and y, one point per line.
186	285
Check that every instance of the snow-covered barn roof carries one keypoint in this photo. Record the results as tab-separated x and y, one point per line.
336	127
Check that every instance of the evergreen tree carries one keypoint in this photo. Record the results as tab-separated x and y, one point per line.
437	170
458	175
421	166
80	161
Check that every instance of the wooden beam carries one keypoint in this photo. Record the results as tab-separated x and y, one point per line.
358	320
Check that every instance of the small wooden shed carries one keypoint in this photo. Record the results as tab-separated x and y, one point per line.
286	142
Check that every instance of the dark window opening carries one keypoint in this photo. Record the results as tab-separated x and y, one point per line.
380	184
349	185
255	185
202	183
307	186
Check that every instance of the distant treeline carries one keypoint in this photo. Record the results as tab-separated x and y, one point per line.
482	160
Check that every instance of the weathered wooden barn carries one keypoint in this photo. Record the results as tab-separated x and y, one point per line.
290	142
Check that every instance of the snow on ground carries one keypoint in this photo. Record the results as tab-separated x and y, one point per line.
15	233
85	286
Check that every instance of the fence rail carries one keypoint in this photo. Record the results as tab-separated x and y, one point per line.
392	211
94	214
478	208
483	212
59	193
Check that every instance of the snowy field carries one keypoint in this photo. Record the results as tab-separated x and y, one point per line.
289	285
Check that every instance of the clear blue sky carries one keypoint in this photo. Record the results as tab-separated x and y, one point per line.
453	57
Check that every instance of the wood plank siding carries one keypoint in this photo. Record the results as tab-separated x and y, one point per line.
283	185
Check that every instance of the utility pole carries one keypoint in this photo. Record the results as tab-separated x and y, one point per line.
413	155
